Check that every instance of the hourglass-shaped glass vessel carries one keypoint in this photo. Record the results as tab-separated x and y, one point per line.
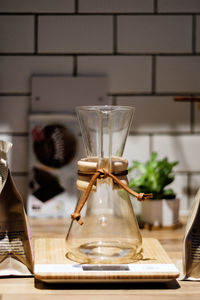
110	232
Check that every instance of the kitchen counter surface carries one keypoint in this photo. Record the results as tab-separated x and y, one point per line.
29	288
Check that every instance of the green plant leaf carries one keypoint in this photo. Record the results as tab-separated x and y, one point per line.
154	176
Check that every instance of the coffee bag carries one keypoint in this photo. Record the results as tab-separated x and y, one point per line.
191	245
16	257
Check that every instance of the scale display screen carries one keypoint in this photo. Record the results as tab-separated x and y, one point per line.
105	268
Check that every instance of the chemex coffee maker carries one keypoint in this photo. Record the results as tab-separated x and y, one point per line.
104	229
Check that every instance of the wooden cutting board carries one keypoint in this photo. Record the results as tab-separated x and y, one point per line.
51	265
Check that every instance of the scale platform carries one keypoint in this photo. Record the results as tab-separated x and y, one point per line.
51	265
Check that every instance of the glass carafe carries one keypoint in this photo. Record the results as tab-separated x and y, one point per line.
109	233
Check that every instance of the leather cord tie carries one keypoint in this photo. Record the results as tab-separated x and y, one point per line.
103	173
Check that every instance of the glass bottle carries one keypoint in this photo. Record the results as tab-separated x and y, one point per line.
110	233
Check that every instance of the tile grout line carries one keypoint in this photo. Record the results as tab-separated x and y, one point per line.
15	94
115	36
36	34
76	6
75	66
153	75
155	6
193	34
100	13
140	94
192	117
121	54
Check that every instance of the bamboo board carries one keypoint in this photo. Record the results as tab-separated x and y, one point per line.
51	265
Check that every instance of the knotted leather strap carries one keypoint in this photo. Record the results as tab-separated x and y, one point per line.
103	173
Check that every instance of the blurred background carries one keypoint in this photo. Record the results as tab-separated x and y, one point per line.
148	49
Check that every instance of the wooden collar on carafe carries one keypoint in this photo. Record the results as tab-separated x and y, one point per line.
103	173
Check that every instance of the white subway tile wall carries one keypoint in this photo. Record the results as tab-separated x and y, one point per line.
184	148
116	6
150	51
180	187
16	71
126	74
75	34
17	34
137	148
147	118
179	6
13	114
178	74
37	6
154	34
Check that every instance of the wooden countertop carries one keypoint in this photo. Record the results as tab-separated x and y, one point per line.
29	288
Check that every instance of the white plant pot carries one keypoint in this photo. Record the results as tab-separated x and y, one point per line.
160	212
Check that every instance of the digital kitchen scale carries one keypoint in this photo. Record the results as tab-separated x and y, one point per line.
51	265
